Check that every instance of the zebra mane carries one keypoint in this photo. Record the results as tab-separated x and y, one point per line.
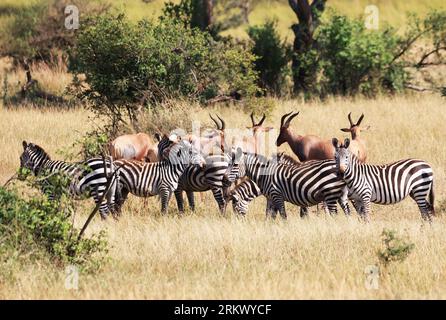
38	149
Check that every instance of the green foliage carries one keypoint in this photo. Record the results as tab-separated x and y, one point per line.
273	55
395	249
356	60
37	31
146	63
39	225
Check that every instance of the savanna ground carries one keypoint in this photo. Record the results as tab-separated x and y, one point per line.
205	256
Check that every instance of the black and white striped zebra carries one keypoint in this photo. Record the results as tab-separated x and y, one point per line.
385	184
157	178
246	191
304	185
196	179
86	179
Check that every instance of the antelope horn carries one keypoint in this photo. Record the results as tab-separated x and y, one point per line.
283	118
350	119
215	121
223	124
360	119
261	121
287	123
252	119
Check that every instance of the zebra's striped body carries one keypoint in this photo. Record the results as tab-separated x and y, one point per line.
87	179
386	184
305	185
159	178
196	179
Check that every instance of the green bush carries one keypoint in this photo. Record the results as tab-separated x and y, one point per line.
39	225
148	63
272	56
356	60
37	31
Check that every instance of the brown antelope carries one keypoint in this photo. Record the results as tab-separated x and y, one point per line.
252	144
211	138
139	146
357	145
308	147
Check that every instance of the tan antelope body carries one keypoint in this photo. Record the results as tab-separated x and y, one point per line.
139	146
308	147
357	144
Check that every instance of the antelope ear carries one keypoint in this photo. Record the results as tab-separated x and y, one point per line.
24	144
268	129
345	130
346	143
335	142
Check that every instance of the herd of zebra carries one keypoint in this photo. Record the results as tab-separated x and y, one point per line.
327	172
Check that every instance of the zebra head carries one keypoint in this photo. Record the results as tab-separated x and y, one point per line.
342	155
186	154
32	158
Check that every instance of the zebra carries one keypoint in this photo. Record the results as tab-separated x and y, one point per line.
385	184
86	179
247	190
156	178
304	185
215	177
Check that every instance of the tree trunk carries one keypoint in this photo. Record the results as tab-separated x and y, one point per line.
304	77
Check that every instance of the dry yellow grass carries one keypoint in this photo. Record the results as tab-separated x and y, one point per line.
204	255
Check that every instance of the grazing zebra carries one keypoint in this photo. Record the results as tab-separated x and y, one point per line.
305	185
247	190
385	184
157	178
87	179
196	179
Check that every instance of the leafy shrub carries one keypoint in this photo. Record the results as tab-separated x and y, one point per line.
44	225
272	56
357	60
37	31
395	249
147	63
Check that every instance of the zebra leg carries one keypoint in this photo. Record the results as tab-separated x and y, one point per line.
330	206
179	197
191	200
119	200
303	212
423	206
165	195
218	195
270	210
344	206
279	204
343	202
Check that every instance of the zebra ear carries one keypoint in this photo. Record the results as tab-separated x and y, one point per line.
335	142
346	143
24	144
157	136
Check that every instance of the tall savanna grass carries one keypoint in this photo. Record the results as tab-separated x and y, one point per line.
204	255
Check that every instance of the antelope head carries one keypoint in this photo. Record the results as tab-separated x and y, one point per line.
354	129
220	131
284	133
257	128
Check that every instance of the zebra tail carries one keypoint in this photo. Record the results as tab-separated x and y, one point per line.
432	198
